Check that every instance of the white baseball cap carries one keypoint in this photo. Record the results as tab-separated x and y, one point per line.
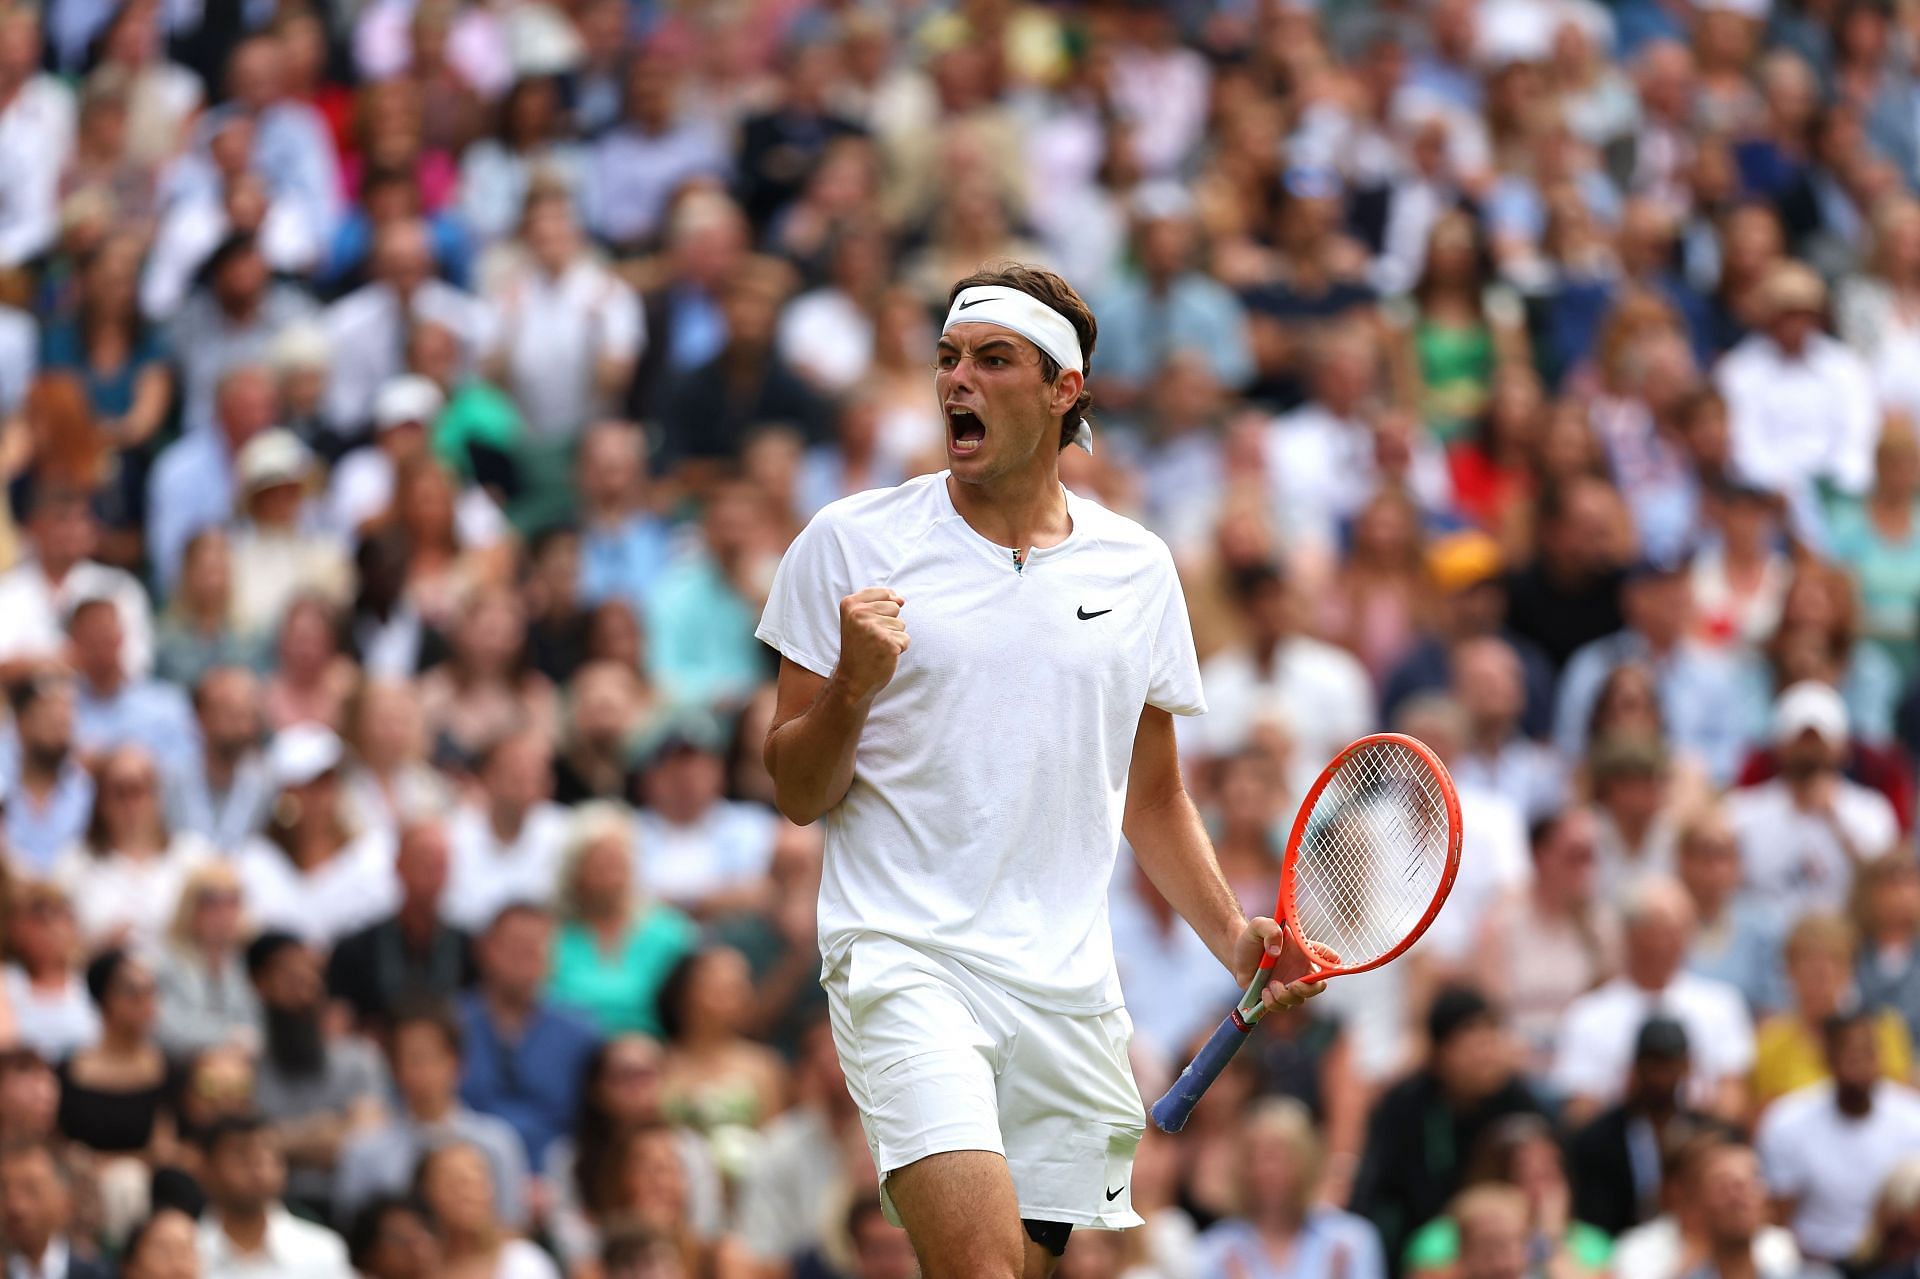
409	398
302	752
1813	705
271	458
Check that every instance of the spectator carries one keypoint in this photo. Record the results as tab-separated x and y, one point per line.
1896	1217
1544	944
529	141
1788	1054
1493	1233
620	1095
614	948
196	633
424	1049
1803	834
696	848
506	844
1827	1148
454	1184
220	791
1524	1152
635	168
206	999
411	955
128	869
1886	910
1616	1158
1488	679
161	1247
624	547
525	1058
248	1230
311	678
1595	1047
487	689
1280	1164
1670	1242
232	319
1632	782
110	708
1570	595
213	1085
1801	405
446	558
360	490
1321	691
571	328
1421	1127
47	996
38	122
1875	540
316	1087
40	591
1707	709
606	704
647	1186
193	481
50	793
1738	938
116	1095
714	1076
390	780
392	1238
36	1212
279	555
309	872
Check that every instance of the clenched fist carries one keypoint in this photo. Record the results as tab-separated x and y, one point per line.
872	637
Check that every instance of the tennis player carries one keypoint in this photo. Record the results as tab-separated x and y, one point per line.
979	673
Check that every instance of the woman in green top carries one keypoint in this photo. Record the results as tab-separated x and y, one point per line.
1459	329
614	947
1519	1151
1879	539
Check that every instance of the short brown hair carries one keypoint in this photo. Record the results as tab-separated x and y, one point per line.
1038	282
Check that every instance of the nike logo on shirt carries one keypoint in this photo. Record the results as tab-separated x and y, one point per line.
1085	616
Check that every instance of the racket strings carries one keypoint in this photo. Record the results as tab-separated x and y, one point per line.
1374	853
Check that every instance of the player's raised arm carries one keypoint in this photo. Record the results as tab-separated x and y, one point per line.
817	720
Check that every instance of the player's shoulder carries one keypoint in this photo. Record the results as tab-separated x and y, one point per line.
1116	532
917	502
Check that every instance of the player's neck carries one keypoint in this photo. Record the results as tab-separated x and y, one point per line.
1027	509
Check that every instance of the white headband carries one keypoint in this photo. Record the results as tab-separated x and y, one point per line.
1033	320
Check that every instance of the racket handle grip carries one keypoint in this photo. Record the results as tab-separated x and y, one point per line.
1171	1111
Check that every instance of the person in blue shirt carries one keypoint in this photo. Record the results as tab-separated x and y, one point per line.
526	1060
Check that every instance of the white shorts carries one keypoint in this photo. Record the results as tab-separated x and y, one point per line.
939	1059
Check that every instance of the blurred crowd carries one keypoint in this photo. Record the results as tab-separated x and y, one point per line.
405	405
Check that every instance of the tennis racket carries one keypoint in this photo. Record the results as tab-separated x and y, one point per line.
1372	856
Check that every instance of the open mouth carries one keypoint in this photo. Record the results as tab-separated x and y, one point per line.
964	430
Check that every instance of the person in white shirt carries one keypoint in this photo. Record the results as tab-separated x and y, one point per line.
1801	405
247	1232
1717	1205
570	328
695	848
37	129
281	552
506	844
1320	691
360	492
1804	833
37	594
36	1210
366	330
1827	1148
1323	456
309	873
979	673
1595	1047
1497	756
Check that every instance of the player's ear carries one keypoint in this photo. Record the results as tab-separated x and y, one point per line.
1066	389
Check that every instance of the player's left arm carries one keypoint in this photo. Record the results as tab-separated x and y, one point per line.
1170	843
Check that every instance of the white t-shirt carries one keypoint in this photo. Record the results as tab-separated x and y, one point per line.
984	816
728	845
1320	691
1832	1165
1791	859
484	874
1597	1037
113	891
56	1025
1656	1250
352	889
